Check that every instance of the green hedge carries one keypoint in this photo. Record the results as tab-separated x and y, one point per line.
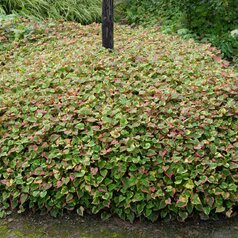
149	130
211	21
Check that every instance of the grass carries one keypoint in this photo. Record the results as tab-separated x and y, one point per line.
83	11
148	130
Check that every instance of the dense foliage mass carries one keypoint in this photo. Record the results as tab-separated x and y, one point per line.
149	130
83	11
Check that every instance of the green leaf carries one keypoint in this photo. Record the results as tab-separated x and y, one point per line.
36	193
104	173
183	215
148	212
105	216
131	217
43	194
189	184
220	209
79	126
207	210
196	200
23	198
33	109
79	174
80	211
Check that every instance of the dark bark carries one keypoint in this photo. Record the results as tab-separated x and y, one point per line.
107	24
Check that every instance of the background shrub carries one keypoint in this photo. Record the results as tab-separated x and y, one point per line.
211	20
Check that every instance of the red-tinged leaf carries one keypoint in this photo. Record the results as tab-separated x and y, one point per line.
5	182
217	58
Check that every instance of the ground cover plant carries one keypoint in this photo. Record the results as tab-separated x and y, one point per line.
148	130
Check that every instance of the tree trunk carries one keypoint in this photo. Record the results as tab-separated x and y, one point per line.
107	24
